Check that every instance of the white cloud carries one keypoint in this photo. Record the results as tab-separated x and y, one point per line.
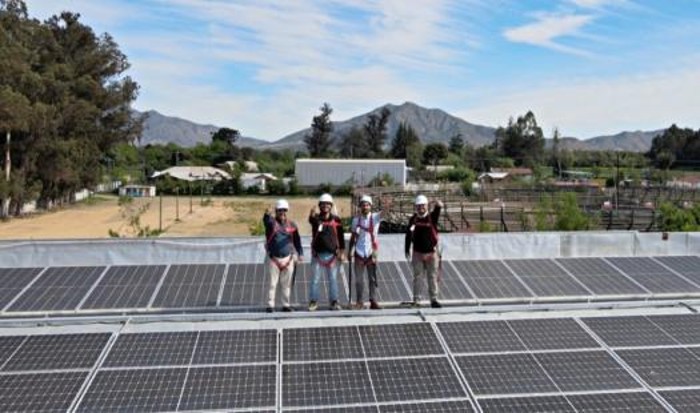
596	4
303	54
596	107
549	27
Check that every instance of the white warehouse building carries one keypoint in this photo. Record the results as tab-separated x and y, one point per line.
314	172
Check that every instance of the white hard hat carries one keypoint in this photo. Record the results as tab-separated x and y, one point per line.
282	204
421	200
327	198
366	198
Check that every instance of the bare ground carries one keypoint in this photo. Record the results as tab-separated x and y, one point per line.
224	216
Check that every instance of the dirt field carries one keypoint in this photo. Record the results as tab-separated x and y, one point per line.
224	216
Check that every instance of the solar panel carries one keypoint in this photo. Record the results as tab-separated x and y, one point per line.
665	367
392	281
688	266
505	374
142	390
152	349
653	276
348	409
546	278
552	334
8	345
246	285
542	404
600	277
53	392
633	331
326	384
194	285
684	328
58	351
321	343
480	337
230	388
491	280
13	281
453	406
236	346
58	288
398	340
451	285
616	402
586	371
684	401
125	287
414	379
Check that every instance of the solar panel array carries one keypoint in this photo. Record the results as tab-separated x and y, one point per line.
627	363
157	288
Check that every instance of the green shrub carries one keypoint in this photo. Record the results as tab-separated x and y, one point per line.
323	189
276	187
569	216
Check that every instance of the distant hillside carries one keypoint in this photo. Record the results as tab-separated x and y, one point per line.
161	129
431	125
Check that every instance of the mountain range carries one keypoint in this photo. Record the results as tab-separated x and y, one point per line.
431	125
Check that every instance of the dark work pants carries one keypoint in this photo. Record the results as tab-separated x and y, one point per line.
371	270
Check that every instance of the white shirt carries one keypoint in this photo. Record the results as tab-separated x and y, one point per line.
363	240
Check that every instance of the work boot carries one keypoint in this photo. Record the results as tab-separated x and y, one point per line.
374	305
335	306
287	309
434	303
359	305
313	306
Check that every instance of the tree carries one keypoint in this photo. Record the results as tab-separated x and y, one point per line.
556	158
77	99
353	144
457	144
521	140
228	135
14	106
318	142
406	145
674	145
434	153
375	131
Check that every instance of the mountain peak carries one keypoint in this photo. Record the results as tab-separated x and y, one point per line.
431	125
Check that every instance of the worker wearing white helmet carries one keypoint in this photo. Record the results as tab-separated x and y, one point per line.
327	250
422	233
365	240
282	244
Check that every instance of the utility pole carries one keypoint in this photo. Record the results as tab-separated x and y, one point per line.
177	204
6	201
7	157
617	181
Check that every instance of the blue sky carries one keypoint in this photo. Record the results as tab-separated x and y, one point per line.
264	67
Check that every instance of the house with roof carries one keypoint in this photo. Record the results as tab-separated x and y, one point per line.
257	179
193	173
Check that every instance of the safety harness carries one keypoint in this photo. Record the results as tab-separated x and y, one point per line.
334	224
365	261
289	230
